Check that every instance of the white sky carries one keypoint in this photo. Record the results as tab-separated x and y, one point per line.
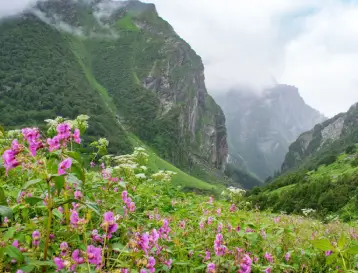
312	44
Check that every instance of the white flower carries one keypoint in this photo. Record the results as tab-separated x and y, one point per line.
141	175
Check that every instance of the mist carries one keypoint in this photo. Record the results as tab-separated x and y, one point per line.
311	44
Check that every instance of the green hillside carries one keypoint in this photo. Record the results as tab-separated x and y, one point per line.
330	189
129	67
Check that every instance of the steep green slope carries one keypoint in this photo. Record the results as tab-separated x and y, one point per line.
331	189
128	65
41	77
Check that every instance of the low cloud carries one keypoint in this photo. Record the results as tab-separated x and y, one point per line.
312	44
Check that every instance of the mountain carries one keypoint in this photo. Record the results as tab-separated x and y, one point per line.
320	171
261	126
121	64
324	142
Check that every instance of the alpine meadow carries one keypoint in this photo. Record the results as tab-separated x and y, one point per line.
115	158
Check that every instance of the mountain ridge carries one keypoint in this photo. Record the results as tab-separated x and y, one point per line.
130	63
262	125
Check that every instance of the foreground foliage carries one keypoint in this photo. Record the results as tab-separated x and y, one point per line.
116	215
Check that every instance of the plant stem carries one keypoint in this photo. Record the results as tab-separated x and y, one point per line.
49	220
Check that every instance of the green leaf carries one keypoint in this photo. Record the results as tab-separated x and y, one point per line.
322	244
27	268
5	212
9	233
342	241
120	247
2	197
59	183
352	250
78	171
197	269
14	253
31	183
41	263
332	258
93	207
33	200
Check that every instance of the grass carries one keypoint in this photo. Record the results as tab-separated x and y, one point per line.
183	179
340	167
126	23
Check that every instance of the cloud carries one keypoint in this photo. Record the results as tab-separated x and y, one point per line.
312	44
13	7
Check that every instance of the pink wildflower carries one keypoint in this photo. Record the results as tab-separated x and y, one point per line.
211	268
64	165
76	136
36	236
109	223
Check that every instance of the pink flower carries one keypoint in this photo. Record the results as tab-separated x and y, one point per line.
64	165
268	257
245	265
182	224
219	248
109	223
54	143
211	200
74	219
132	207
15	146
202	224
36	236
164	230
64	131
124	270
168	263
78	194
218	211
287	256
6	220
92	164
210	220
16	243
233	208
151	264
220	227
207	255
59	263
77	257
328	253
94	255
277	219
76	136
32	135
268	270
143	242
211	268
10	161
64	248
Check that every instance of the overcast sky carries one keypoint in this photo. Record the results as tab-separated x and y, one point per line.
312	44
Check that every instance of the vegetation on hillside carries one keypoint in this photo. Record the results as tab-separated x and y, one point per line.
100	68
330	189
59	213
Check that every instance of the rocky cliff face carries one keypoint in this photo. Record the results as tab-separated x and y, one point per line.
325	139
262	126
144	73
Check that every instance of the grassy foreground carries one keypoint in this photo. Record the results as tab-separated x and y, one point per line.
122	215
